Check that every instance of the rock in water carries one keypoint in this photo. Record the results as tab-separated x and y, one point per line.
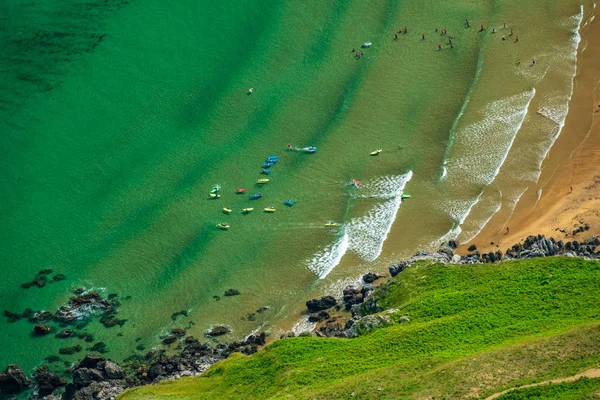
472	247
218	331
113	371
47	381
370	277
232	292
13	380
170	339
321	304
42	329
396	269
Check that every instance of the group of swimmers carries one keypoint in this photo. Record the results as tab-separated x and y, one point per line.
445	32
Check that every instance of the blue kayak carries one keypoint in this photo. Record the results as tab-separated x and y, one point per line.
265	171
267	165
273	158
288	203
255	196
312	150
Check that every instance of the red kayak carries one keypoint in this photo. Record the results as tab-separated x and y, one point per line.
240	190
356	183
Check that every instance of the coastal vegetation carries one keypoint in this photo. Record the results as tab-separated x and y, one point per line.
459	331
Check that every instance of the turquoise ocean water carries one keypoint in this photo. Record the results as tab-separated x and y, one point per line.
118	117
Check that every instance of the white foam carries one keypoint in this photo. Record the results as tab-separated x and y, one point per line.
368	233
365	235
303	325
324	261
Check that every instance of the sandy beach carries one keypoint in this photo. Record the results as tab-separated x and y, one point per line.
570	179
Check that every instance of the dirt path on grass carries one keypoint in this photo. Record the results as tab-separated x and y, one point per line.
590	373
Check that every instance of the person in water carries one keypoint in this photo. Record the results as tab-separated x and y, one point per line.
517	39
439	46
511	32
493	30
482	28
395	36
422	36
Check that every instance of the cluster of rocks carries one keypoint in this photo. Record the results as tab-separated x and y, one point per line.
80	307
96	377
41	279
538	246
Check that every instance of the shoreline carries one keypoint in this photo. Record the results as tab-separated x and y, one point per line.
572	162
350	314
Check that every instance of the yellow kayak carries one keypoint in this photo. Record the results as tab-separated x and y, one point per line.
270	209
247	210
215	195
263	180
223	225
376	152
227	210
331	224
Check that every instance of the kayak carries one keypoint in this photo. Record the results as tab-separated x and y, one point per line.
227	210
275	158
356	183
255	196
223	225
247	210
267	164
366	44
331	224
311	150
270	209
263	180
376	152
215	189
215	195
271	160
240	190
288	203
406	196
265	171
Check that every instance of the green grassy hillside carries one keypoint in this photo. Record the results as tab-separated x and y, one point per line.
473	331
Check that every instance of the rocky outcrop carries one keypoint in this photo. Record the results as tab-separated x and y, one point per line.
41	330
47	381
322	316
352	296
316	305
231	292
370	277
13	380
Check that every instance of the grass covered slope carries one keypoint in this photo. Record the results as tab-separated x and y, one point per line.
473	330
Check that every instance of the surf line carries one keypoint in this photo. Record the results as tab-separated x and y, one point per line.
364	235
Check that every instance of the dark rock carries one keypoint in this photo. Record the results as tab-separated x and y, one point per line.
99	347
85	376
90	361
140	347
45	272
59	277
42	329
191	339
262	309
178	331
40	280
370	277
113	371
170	339
232	292
250	317
472	247
181	313
52	359
323	303
452	244
13	380
70	350
352	296
155	371
12	317
47	381
258	340
27	285
287	335
217	298
322	316
218	331
65	333
396	269
40	316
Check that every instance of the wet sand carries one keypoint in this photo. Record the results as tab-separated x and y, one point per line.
574	161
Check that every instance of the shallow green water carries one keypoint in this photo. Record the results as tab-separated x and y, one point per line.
118	118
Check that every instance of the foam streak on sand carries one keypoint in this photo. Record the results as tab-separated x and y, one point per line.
365	235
